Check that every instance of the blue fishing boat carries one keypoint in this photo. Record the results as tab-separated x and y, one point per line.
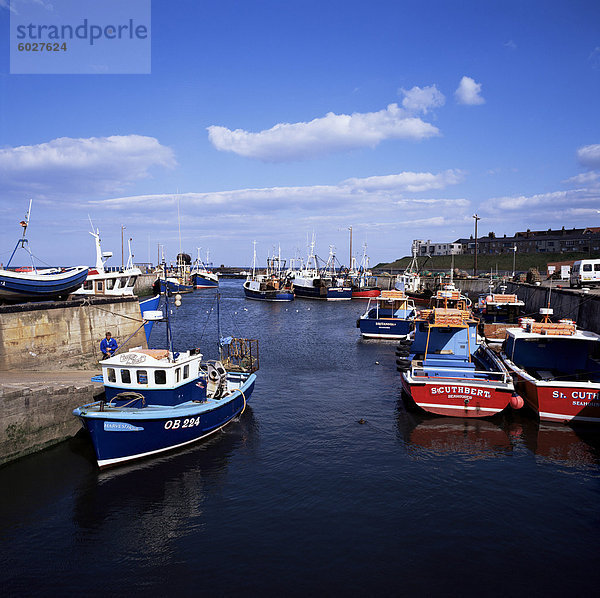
33	284
161	399
173	285
391	315
312	282
273	285
448	369
202	276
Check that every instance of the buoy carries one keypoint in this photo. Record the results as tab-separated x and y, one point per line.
362	421
376	363
516	402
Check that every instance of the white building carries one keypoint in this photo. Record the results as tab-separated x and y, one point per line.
429	248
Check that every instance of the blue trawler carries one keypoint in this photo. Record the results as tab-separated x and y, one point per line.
391	315
273	285
161	399
202	275
312	282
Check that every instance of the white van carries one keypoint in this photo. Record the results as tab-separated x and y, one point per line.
584	273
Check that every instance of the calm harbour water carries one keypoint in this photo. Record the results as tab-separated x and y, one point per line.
299	498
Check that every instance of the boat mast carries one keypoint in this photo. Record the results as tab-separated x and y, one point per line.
22	241
129	265
350	262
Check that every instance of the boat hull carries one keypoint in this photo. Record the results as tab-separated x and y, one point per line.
270	295
391	328
175	287
122	435
29	286
456	398
366	293
204	282
556	401
310	292
339	293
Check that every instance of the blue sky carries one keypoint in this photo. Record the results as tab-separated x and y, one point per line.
268	120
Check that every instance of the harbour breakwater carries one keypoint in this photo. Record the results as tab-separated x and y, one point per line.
48	353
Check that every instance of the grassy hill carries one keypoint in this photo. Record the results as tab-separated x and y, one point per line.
485	263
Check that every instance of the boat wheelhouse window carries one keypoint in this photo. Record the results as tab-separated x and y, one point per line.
142	377
110	283
131	281
125	376
160	377
111	374
88	285
597	267
177	375
99	285
117	283
186	371
587	267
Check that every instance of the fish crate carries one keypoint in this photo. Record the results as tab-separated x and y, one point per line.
240	355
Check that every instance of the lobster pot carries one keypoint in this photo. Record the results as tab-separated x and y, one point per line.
240	355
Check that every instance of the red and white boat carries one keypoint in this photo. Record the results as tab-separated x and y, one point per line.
448	370
556	368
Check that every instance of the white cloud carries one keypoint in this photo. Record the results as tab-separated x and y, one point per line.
589	156
94	165
422	99
331	133
553	204
378	206
389	190
468	92
586	178
510	44
412	182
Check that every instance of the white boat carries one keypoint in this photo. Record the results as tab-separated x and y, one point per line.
112	283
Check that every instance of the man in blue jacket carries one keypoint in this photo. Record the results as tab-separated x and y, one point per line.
108	346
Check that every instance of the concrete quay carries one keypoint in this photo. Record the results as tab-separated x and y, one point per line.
35	409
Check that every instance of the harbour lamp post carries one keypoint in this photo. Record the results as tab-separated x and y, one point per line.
122	252
477	218
514	258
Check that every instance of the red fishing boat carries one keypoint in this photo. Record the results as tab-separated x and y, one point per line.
557	369
447	370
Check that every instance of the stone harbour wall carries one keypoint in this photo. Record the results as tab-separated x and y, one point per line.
37	414
65	335
584	308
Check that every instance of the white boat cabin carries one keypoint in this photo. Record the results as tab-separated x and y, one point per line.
151	369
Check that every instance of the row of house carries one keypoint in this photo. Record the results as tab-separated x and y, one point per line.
545	241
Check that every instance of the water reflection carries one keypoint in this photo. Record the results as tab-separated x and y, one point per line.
558	443
453	435
148	502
